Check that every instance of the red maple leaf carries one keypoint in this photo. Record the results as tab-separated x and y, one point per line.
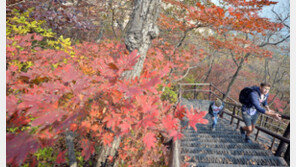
175	134
87	148
149	139
112	120
196	117
61	157
126	62
107	139
11	105
151	83
147	103
48	118
129	90
125	127
180	111
149	120
69	73
169	122
19	146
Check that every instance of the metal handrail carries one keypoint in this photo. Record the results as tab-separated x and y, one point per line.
286	140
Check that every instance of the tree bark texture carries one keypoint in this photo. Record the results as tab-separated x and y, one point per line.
266	70
211	62
141	29
107	151
71	150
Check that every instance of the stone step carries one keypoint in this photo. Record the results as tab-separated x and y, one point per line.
217	125
235	159
221	145
225	131
211	136
210	127
214	140
225	165
221	151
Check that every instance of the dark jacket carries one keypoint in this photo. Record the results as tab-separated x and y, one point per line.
254	101
211	110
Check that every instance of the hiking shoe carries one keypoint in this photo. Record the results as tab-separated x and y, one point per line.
243	133
248	140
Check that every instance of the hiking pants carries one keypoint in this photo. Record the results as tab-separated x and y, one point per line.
215	120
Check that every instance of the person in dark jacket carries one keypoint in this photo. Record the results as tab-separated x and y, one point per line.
250	112
215	109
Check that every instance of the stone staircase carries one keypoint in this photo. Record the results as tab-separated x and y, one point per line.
223	147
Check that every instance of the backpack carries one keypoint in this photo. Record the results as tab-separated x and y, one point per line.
244	95
210	108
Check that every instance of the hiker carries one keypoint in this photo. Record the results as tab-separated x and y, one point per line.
215	109
252	99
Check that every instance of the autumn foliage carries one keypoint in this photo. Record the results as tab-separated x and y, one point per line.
55	86
80	88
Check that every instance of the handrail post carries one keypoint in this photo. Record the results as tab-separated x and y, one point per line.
195	93
287	155
273	140
233	113
237	124
210	91
281	147
261	123
257	134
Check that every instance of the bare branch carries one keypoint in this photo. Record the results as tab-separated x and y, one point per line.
211	62
11	5
275	43
234	59
282	20
190	68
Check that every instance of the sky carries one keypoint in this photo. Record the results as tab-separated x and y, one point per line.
282	7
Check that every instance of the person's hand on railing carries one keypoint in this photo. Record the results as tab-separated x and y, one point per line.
273	114
278	116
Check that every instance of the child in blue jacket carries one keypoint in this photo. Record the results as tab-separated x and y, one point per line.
215	109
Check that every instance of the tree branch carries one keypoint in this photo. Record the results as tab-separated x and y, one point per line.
11	5
275	43
280	19
189	68
234	59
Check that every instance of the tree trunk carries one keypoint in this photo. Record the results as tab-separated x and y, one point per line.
141	29
71	150
107	151
211	62
235	75
266	70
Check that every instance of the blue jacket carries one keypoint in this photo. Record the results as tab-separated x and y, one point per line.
254	101
211	110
